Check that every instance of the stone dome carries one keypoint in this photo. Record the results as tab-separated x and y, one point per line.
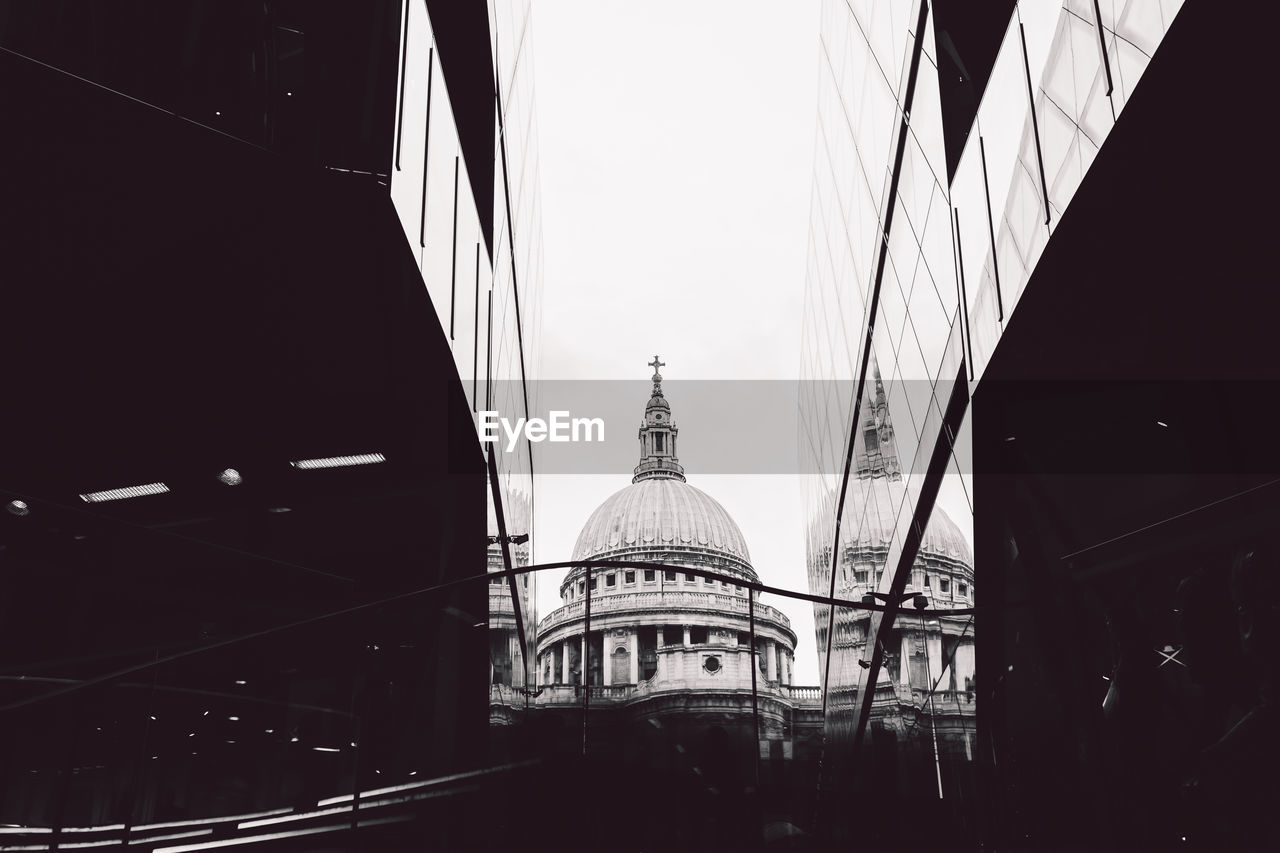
871	505
655	514
660	518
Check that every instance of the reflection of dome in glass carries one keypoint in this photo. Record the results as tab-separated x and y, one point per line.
871	505
660	514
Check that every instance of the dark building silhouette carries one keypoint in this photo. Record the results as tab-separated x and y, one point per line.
259	269
1028	233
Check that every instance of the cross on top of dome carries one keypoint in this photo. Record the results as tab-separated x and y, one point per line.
658	435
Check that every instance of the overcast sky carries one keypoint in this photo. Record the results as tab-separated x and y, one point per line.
676	144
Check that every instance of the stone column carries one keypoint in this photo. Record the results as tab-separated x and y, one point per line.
660	640
771	662
933	648
517	666
634	645
904	661
586	661
687	641
606	659
564	662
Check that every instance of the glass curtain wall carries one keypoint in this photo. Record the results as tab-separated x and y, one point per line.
916	261
485	286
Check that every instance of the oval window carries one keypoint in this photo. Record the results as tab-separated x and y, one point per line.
711	664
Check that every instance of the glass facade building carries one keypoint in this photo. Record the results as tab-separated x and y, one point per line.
1012	231
263	263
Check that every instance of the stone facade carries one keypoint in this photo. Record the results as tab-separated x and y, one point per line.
925	689
668	649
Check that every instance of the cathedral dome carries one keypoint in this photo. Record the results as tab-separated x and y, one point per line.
660	518
871	505
660	513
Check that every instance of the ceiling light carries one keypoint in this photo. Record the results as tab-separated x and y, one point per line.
326	749
1163	424
18	508
231	477
339	461
126	492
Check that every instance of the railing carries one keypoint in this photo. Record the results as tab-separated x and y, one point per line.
944	701
602	603
802	694
503	694
571	694
566	694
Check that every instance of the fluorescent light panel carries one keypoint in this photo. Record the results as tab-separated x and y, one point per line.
236	842
207	821
126	492
171	836
269	821
105	828
339	461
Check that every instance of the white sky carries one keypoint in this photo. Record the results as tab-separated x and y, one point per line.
676	145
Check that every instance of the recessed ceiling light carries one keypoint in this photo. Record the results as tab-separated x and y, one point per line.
231	477
339	461
18	508
1163	424
126	492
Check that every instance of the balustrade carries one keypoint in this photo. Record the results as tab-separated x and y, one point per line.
681	599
